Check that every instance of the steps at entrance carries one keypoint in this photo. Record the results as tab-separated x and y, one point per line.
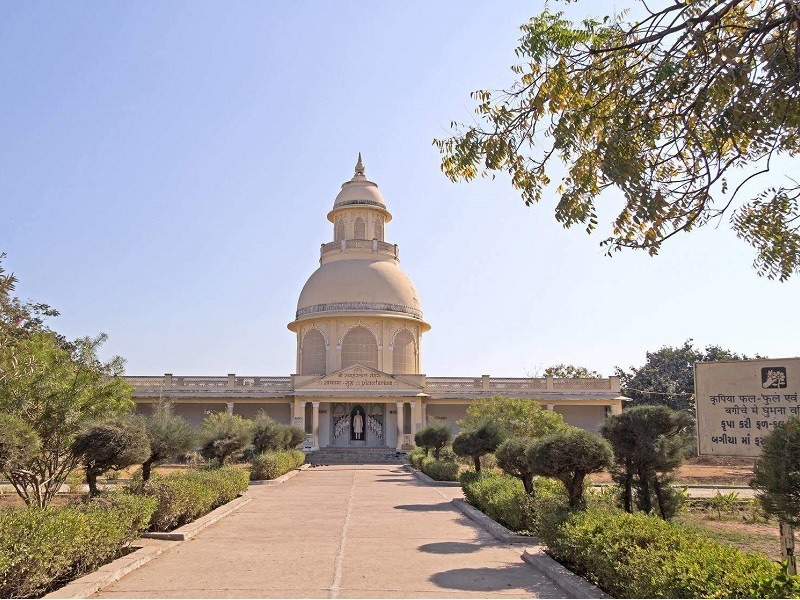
355	456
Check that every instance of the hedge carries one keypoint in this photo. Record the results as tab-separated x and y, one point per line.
42	549
416	456
440	470
640	556
503	498
269	465
186	496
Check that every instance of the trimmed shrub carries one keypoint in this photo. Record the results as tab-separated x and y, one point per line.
170	436
186	496
642	556
41	549
777	472
512	457
434	437
224	435
110	445
479	442
440	470
569	456
270	465
416	456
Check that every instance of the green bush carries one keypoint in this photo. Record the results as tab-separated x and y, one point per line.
270	465
641	556
41	549
503	498
416	456
186	496
440	470
433	438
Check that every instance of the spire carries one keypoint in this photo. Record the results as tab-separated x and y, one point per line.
359	168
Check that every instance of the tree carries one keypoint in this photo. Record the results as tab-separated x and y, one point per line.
512	457
520	417
19	319
55	391
777	472
224	435
479	442
569	456
269	435
170	435
111	444
649	443
570	372
433	437
667	377
296	436
677	110
777	480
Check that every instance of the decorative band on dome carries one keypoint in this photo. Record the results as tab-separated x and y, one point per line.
332	306
360	202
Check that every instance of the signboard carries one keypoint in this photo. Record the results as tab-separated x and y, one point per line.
739	402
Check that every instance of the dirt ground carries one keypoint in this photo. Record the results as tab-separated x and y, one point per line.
706	470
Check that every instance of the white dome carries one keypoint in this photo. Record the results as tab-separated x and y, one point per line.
359	192
359	285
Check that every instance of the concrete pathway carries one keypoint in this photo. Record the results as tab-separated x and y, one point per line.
341	532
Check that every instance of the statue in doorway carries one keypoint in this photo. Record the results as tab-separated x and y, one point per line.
358	426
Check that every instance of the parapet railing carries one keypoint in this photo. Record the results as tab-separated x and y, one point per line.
502	385
366	245
170	381
485	383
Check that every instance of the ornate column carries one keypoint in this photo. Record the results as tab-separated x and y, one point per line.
400	425
315	423
291	413
425	414
551	407
229	408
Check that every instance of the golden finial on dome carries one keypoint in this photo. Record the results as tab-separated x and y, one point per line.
359	166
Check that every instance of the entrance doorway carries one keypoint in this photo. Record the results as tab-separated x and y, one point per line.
358	424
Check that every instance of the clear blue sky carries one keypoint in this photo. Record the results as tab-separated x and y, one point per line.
166	168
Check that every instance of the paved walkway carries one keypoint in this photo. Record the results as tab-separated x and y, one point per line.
341	532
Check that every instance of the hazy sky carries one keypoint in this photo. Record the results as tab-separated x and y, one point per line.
166	169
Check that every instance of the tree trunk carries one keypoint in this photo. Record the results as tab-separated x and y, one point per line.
787	547
527	481
645	500
147	467
659	497
627	492
477	460
574	487
91	479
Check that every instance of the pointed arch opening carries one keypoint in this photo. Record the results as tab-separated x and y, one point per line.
359	229
379	229
338	229
313	354
404	353
359	346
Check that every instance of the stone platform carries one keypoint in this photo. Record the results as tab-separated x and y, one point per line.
355	456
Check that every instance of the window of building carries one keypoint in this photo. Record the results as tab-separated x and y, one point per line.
403	353
313	355
379	229
338	229
359	347
359	229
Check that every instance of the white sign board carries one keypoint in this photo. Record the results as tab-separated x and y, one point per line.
739	402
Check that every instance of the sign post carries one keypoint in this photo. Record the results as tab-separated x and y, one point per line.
738	403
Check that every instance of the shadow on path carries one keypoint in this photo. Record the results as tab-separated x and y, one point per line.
494	579
450	548
440	507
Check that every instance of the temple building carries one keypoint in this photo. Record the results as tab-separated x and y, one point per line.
359	379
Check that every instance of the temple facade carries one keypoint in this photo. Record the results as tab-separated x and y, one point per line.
359	379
